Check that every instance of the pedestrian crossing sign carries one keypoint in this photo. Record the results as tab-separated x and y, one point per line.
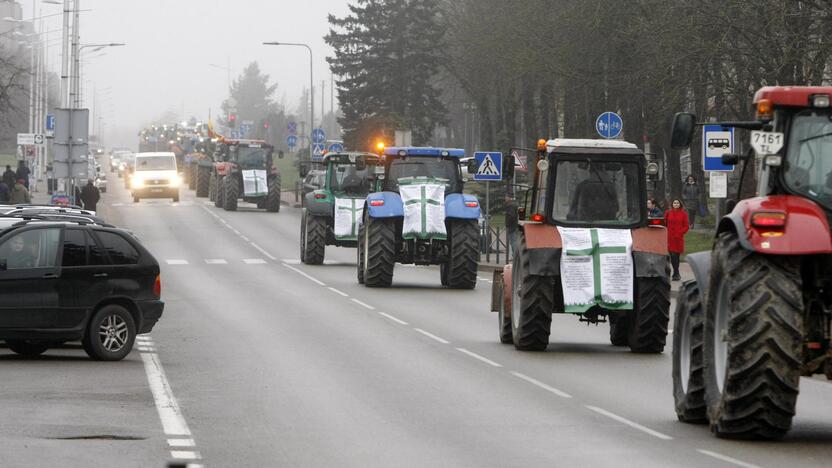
489	166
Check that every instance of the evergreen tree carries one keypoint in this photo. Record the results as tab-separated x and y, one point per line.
252	95
387	53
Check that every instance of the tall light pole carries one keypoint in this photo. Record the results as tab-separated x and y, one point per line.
227	71
311	89
77	87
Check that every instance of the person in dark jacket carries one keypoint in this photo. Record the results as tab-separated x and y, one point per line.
653	210
90	196
677	226
23	173
9	177
5	193
690	195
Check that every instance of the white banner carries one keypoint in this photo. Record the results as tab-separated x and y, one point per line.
348	213
255	183
424	211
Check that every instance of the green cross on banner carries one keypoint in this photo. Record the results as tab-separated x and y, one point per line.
424	201
595	252
353	211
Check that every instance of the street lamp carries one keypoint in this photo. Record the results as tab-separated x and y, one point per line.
96	47
227	70
311	89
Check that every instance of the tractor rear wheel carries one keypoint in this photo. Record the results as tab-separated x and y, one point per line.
273	199
753	341
532	301
504	320
359	255
688	355
380	253
215	190
190	174
231	193
648	322
314	239
203	176
464	238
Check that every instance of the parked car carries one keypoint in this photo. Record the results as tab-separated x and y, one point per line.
314	180
63	279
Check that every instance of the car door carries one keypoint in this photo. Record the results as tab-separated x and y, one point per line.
29	277
125	277
76	287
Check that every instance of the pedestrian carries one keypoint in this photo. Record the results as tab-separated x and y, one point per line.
676	221
78	200
90	196
653	210
5	193
512	222
20	195
9	177
690	195
23	173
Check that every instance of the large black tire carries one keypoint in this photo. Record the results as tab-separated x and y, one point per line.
203	181
27	348
753	341
219	191
273	198
359	255
620	330
379	252
648	322
688	355
463	240
190	173
231	191
532	302
504	320
110	334
314	237
213	185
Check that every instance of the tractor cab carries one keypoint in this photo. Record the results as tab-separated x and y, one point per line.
406	164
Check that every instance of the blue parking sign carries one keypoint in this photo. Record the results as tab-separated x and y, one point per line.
489	166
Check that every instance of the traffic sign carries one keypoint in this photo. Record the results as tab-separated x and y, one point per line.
292	127
31	139
50	124
318	135
719	184
317	151
245	128
336	148
489	166
519	162
235	135
766	142
609	125
716	141
292	141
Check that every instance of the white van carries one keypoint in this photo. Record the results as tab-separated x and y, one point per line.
155	176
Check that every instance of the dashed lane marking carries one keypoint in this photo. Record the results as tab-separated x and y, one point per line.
185	454
626	421
216	261
338	292
271	257
432	336
727	459
181	443
302	273
478	357
363	304
540	384
390	317
254	261
176	262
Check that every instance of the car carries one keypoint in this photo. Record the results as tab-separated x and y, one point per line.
66	280
155	176
45	209
314	180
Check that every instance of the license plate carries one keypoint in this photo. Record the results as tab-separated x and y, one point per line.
157	190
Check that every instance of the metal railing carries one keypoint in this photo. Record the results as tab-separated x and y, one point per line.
494	242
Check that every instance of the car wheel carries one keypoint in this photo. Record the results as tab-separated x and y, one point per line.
110	334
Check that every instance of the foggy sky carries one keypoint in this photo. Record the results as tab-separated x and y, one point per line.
170	44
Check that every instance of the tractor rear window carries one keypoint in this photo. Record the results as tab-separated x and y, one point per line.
425	166
808	166
597	192
347	179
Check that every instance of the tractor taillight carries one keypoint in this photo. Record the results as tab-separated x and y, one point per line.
157	286
377	203
472	204
768	219
655	222
320	196
537	218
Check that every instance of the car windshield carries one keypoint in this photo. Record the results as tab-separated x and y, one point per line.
156	163
347	179
446	169
252	158
597	192
808	166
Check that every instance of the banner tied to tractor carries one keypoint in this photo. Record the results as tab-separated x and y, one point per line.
424	208
348	213
596	268
255	183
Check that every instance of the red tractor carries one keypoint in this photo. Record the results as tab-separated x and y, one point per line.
757	316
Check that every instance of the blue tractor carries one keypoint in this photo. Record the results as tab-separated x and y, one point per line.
419	215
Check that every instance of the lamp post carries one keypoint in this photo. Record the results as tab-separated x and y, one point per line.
311	89
77	87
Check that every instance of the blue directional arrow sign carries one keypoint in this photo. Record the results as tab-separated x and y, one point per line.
292	141
317	151
336	148
489	166
609	125
716	141
318	136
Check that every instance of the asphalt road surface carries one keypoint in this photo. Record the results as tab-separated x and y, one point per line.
261	361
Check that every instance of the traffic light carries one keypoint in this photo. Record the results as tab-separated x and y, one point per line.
232	120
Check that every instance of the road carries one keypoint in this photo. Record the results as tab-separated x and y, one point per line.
261	361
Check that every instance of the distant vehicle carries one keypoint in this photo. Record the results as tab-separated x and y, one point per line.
244	169
69	281
119	159
155	176
314	180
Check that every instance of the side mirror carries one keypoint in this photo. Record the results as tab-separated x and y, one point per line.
472	166
304	170
280	154
733	159
3	264
682	132
360	163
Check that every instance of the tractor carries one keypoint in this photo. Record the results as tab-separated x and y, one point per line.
419	216
244	169
332	213
586	247
756	317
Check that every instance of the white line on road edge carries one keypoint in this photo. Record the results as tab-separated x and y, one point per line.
725	458
176	262
388	316
626	421
173	422
432	336
542	385
244	238
181	442
478	357
362	304
338	292
271	257
310	278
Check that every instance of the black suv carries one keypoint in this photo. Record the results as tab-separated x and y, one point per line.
69	280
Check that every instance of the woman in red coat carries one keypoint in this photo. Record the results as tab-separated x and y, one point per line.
676	219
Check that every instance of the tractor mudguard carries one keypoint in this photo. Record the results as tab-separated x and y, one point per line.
319	206
455	206
384	205
700	263
501	284
806	231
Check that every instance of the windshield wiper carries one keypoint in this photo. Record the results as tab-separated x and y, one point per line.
815	137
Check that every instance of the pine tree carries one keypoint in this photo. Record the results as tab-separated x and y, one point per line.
387	53
252	94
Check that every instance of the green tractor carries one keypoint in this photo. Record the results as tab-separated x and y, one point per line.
332	214
244	170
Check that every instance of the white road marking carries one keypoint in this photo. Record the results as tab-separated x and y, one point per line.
478	357
388	316
173	422
254	261
181	443
185	455
291	261
216	261
175	261
432	336
626	421
338	292
146	349
236	231
311	278
727	459
244	238
540	384
271	257
363	304
117	204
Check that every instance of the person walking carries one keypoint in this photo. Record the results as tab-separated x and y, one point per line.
690	195
20	195
5	193
676	220
9	177
23	173
90	196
